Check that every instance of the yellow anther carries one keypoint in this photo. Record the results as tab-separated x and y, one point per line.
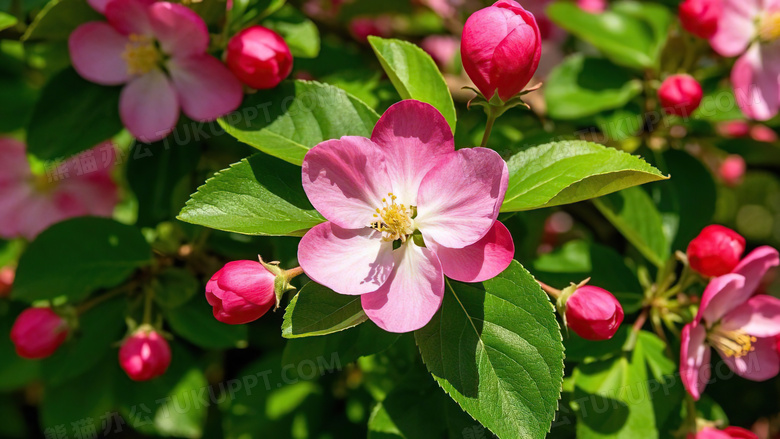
141	55
769	27
394	220
732	343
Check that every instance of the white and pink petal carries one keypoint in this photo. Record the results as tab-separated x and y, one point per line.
179	30
695	354
96	53
760	364
206	89
148	106
723	294
759	317
480	261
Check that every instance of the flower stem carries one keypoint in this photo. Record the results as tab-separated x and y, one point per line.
84	307
148	297
632	337
489	127
293	272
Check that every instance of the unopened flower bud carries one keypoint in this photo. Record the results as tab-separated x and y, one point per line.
715	251
680	95
259	57
144	355
732	169
700	17
593	313
38	332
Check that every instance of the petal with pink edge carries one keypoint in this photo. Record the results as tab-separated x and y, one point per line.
14	166
736	26
695	354
346	261
755	265
129	16
148	106
346	180
412	134
96	53
205	87
480	261
180	30
759	317
760	364
754	78
412	294
459	199
722	294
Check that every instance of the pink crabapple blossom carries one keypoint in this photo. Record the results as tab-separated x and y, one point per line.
144	355
38	333
740	325
501	47
404	209
241	292
750	29
158	51
30	203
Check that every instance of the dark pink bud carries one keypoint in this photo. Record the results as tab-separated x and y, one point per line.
762	133
716	251
700	17
241	292
501	47
680	95
732	169
7	275
734	128
362	28
259	57
38	332
593	313
144	355
592	6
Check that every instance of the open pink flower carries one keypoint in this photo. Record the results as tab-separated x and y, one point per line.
740	326
751	28
404	209
159	51
30	203
726	433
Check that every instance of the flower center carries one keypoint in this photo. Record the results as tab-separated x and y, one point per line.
141	54
394	220
735	344
769	27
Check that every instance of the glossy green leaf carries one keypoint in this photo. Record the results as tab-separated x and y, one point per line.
7	20
288	120
636	216
300	33
631	34
406	412
79	256
195	322
256	196
570	171
414	75
496	349
583	86
318	310
72	115
59	18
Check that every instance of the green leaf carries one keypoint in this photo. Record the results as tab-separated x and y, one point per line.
318	310
570	171
407	411
257	196
155	176
247	12
59	18
174	287
195	322
630	34
72	115
300	33
99	328
78	256
7	20
583	86
579	260
173	404
288	120
635	215
414	75
496	349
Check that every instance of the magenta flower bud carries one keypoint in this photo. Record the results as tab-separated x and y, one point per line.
680	95
700	17
259	57
715	251
38	332
593	313
732	169
592	6
241	292
144	355
501	47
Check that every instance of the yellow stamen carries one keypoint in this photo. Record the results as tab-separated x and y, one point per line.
141	55
769	28
733	343
394	220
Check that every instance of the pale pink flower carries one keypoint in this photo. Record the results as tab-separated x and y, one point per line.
159	51
750	29
404	209
740	326
30	203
